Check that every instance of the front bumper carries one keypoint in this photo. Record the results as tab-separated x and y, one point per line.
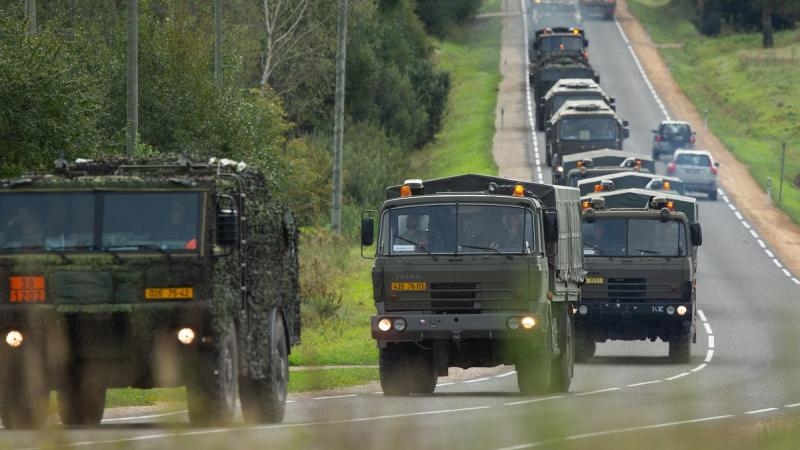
632	320
457	327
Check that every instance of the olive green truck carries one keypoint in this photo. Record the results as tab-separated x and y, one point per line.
145	274
475	271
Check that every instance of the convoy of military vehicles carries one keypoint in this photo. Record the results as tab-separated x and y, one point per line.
123	273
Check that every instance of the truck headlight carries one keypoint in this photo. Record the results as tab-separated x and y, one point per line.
14	338
583	310
528	322
512	323
186	336
681	310
399	324
670	310
384	324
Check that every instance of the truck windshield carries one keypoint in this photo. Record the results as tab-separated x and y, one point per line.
634	237
458	228
552	44
99	221
587	128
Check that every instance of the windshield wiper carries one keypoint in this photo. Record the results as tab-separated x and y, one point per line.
478	247
589	244
417	244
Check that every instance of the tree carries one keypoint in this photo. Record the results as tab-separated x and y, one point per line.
282	32
769	8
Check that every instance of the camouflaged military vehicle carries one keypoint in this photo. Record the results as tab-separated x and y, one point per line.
604	8
560	41
640	249
546	71
568	89
633	180
583	125
142	274
475	271
572	168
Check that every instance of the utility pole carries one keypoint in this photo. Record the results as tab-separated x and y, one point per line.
30	16
218	42
783	163
133	76
338	127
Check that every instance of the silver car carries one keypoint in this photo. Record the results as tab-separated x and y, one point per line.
697	169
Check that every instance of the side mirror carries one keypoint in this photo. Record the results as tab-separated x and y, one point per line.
696	234
625	123
367	231
550	226
585	43
227	227
716	164
626	133
654	131
612	100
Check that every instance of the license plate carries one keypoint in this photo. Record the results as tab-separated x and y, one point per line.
418	286
27	290
181	293
594	280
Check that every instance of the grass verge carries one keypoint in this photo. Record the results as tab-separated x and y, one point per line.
752	100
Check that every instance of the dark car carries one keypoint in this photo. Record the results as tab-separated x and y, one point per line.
672	135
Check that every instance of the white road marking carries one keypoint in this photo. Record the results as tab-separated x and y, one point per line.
531	124
642	72
599	391
151	437
617	431
709	355
746	225
738	215
754	234
708	328
759	411
675	377
476	380
702	315
149	416
533	400
711	341
796	281
730	205
444	384
329	397
506	374
778	263
769	253
793	405
787	273
699	368
761	243
643	383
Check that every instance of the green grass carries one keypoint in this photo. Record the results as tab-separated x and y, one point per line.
491	6
751	96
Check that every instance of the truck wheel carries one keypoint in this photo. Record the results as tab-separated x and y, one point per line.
211	390
24	393
680	348
422	371
393	365
82	401
533	374
540	119
548	158
584	348
712	195
563	367
264	400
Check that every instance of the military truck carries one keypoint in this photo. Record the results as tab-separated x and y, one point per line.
559	41
634	180
583	125
569	89
545	72
604	8
475	271
572	168
640	249
124	273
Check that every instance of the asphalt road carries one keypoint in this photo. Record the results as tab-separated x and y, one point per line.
744	363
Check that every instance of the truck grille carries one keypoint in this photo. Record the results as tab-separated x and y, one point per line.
453	290
98	335
627	287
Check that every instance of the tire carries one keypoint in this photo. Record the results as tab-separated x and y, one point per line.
211	390
534	373
712	195
540	120
548	158
680	348
264	400
563	366
24	392
82	401
406	370
585	348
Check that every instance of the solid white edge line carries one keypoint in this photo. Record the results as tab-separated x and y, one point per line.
476	380
506	374
711	341
675	377
759	411
709	355
149	416
699	368
329	397
702	315
533	400
643	383
708	328
616	431
599	391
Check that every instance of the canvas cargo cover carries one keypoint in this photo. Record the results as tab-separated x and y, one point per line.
640	198
606	157
630	180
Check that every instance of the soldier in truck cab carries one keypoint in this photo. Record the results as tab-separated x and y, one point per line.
24	230
414	232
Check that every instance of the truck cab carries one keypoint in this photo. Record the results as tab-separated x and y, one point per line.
583	125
